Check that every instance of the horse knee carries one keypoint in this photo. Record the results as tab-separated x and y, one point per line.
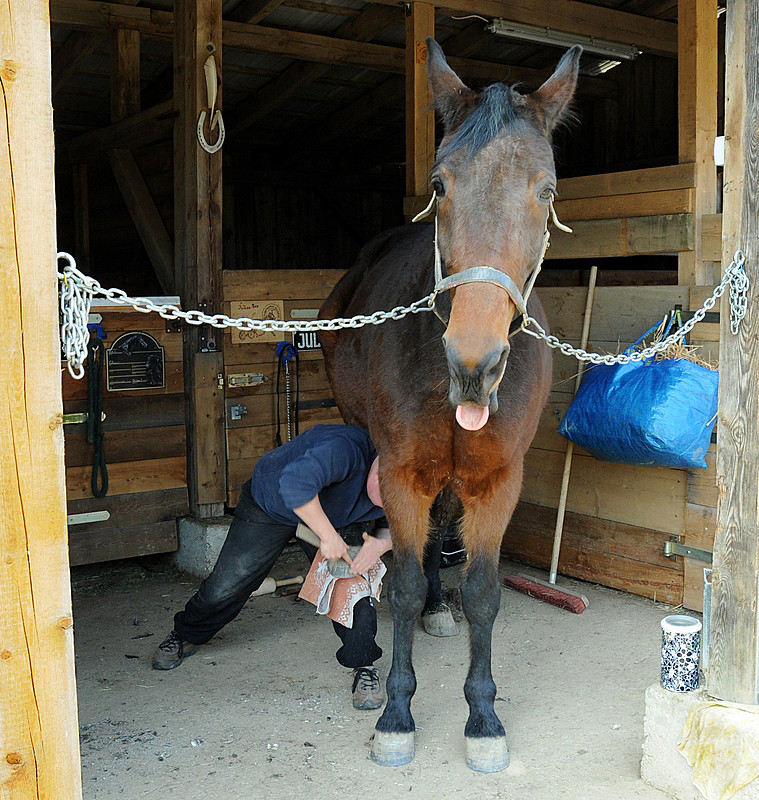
480	591
408	587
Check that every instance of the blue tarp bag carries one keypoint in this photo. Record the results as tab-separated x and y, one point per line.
650	413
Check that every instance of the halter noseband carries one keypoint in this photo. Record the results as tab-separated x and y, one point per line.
485	274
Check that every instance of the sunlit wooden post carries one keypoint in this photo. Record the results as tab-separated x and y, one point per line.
39	736
734	650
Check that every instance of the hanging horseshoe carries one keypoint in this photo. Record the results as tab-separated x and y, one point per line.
215	120
212	84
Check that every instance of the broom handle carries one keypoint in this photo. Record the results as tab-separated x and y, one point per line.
570	445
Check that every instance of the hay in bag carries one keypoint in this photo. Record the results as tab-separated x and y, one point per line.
650	413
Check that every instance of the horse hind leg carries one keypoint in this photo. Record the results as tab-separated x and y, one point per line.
437	619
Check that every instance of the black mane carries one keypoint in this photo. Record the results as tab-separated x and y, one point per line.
499	105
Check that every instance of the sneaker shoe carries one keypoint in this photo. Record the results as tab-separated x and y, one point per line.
367	689
172	652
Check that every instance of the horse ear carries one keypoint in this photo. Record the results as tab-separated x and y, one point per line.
451	97
554	96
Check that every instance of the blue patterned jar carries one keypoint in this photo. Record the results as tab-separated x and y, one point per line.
680	651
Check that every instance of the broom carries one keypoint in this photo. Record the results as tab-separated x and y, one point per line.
547	590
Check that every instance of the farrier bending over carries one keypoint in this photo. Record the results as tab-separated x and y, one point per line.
327	478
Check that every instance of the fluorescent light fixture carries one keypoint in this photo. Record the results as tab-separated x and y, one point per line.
541	35
599	67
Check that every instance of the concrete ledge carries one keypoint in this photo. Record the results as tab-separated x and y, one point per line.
663	765
200	541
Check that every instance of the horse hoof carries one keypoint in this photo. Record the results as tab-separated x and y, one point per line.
488	754
440	622
392	749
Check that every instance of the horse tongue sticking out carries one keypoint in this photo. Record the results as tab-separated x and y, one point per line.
472	418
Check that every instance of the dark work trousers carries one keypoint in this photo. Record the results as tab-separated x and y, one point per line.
252	546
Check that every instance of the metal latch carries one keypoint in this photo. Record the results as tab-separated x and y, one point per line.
89	516
237	411
673	549
240	379
75	419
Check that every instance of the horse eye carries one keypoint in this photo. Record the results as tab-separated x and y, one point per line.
547	194
437	186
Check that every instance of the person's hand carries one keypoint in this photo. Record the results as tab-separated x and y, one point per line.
369	554
334	548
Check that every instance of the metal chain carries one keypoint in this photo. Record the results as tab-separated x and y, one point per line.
78	289
734	276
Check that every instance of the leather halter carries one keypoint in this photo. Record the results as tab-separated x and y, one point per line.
485	274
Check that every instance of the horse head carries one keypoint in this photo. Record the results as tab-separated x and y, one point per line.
494	180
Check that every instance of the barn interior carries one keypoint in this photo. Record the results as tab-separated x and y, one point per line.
328	138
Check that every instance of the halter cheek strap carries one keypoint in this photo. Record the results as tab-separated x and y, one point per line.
485	274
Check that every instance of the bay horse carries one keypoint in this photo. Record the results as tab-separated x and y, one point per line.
452	406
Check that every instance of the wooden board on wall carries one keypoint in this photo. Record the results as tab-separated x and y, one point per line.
145	452
143	523
251	429
621	556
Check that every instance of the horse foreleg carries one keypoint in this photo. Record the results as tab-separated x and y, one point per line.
486	749
393	743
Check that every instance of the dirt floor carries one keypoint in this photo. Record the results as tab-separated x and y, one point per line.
263	712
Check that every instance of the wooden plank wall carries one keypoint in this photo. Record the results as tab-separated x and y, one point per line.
144	450
618	516
254	434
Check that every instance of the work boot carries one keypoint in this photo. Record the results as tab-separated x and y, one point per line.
172	652
367	689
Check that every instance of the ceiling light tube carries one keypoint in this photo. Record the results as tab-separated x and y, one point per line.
550	36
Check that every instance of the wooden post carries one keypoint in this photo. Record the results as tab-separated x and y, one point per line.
197	250
81	217
734	647
39	735
125	74
420	119
697	121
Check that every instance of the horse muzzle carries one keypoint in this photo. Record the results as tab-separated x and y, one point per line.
473	391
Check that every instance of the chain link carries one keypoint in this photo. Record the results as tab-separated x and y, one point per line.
78	289
734	277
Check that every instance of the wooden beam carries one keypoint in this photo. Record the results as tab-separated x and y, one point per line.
651	35
253	11
71	54
420	119
143	128
734	646
147	220
655	179
638	204
697	121
81	216
308	46
125	74
38	708
277	91
198	250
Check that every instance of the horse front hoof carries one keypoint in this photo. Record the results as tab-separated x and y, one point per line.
440	622
392	749
488	754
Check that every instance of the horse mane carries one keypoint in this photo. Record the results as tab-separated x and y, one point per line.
499	106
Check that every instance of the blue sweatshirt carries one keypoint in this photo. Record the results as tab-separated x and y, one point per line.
329	460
